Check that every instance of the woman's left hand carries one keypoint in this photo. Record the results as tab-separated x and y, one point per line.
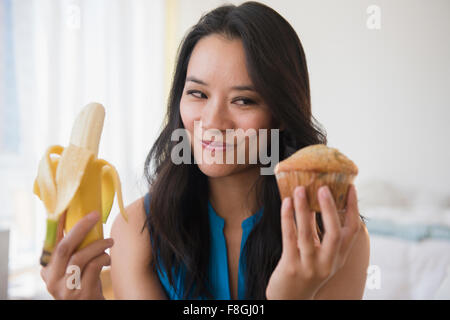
306	264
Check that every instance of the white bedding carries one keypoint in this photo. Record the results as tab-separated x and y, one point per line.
408	269
410	240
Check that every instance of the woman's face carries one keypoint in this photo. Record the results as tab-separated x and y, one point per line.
218	96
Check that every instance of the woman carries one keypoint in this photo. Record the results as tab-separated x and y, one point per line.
220	231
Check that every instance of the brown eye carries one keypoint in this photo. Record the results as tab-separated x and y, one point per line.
193	92
245	101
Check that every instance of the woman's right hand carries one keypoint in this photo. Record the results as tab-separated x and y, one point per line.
89	261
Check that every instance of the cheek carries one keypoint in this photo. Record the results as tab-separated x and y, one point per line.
189	114
258	119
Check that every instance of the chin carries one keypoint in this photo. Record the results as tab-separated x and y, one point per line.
216	170
221	170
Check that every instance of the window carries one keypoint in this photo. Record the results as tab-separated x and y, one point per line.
56	57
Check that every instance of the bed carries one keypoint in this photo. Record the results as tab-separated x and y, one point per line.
410	242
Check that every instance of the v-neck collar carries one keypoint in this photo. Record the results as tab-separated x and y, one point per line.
247	223
219	254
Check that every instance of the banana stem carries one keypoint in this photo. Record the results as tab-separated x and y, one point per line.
50	241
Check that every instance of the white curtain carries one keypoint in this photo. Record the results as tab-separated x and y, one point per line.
63	55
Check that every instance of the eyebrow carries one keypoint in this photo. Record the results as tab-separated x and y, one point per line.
240	88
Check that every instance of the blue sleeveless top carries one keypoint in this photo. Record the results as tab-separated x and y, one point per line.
218	259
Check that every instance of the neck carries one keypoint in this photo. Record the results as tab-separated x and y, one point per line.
233	197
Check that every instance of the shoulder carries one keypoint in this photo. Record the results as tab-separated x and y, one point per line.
136	218
132	237
131	257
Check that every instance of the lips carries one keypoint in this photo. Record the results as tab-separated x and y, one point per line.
215	145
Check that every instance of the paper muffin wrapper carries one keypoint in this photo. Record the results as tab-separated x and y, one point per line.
337	182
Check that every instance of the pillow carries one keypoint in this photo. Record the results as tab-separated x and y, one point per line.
443	293
426	198
373	193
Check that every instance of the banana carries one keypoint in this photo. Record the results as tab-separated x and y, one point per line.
75	181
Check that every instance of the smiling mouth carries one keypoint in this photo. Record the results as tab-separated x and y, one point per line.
216	145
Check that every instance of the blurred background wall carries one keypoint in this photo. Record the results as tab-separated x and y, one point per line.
57	56
383	95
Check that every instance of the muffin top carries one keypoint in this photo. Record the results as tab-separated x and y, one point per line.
319	158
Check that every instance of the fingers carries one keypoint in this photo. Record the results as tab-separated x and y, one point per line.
70	242
89	262
91	273
289	233
84	256
332	238
352	212
314	229
305	235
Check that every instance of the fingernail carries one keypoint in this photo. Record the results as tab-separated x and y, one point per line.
93	216
110	242
324	192
300	191
285	202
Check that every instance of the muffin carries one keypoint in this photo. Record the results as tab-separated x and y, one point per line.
313	167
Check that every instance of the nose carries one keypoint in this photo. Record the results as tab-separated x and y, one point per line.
215	115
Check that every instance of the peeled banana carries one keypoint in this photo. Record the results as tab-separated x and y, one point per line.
75	181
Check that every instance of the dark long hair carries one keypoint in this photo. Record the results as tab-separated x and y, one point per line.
178	220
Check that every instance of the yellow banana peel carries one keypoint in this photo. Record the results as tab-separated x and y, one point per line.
75	181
